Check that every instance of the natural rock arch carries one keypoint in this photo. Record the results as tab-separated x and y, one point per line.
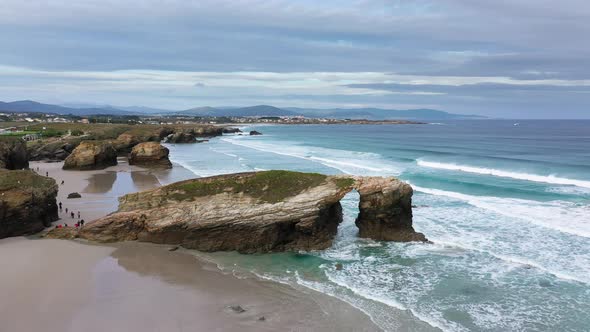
257	212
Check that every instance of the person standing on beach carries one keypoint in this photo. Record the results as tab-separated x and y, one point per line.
60	206
78	214
72	214
46	173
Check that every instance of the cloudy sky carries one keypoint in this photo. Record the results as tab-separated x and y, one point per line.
504	58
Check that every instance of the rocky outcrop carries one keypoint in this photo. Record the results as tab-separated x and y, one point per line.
256	212
91	155
27	202
181	137
230	130
13	153
206	131
74	195
150	154
52	149
385	210
190	135
255	133
247	212
127	140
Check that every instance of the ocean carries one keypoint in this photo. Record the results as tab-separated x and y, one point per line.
505	203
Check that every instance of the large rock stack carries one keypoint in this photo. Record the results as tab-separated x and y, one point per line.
385	210
91	155
27	202
150	154
13	153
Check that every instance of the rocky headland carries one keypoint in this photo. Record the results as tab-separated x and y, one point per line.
27	202
256	212
122	137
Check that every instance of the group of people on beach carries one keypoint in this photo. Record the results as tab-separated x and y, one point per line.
78	223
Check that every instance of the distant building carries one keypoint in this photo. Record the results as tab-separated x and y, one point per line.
31	137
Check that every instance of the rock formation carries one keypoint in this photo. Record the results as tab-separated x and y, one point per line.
231	130
27	202
255	133
127	140
13	153
150	154
385	210
181	137
52	149
91	155
257	212
207	131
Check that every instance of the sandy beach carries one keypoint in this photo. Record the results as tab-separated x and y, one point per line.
57	285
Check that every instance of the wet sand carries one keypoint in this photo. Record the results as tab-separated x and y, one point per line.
100	189
57	285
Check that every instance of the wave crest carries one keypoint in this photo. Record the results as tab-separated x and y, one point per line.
506	174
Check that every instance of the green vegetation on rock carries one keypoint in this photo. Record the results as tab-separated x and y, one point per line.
344	183
268	186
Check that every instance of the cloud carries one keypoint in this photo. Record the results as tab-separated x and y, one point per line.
153	50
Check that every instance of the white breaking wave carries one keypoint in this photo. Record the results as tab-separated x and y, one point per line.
505	174
562	216
348	162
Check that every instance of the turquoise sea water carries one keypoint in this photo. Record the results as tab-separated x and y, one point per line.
507	208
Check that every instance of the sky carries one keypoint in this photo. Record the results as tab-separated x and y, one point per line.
502	58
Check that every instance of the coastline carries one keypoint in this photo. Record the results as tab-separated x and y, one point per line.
71	285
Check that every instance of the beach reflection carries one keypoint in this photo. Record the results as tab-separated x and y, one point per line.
101	183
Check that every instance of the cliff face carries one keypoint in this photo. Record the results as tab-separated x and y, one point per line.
91	155
247	212
150	154
27	202
13	153
52	149
257	212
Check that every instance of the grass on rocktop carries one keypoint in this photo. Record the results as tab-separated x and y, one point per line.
343	183
268	186
23	179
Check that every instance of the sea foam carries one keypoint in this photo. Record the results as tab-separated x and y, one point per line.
566	217
505	174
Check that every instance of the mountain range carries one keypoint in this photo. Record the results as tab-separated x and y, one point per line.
251	111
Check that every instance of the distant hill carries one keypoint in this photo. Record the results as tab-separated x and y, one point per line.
201	111
30	106
381	114
258	110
